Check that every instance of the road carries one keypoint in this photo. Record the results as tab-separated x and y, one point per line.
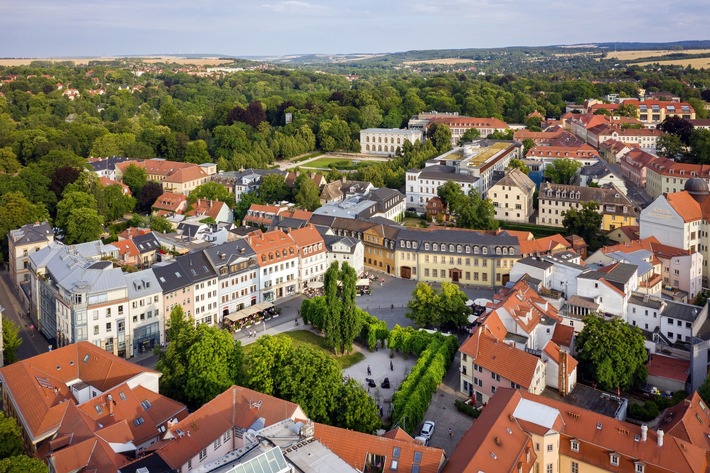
636	194
33	343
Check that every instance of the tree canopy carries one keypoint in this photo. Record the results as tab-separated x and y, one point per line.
445	309
585	222
612	352
11	340
563	171
469	210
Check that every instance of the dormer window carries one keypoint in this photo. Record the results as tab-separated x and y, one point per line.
451	248
426	246
468	249
485	250
574	445
614	459
475	250
436	247
639	467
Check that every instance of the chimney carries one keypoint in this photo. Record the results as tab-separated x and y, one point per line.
644	432
660	438
110	405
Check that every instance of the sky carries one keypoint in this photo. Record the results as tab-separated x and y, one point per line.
71	28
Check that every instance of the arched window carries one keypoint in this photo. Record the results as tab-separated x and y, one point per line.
436	247
468	249
485	250
459	248
451	248
475	250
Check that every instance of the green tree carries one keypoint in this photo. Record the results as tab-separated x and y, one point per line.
670	146
8	161
212	191
117	203
355	409
585	222
148	194
172	360
10	435
700	145
704	390
451	195
516	163
11	340
332	297
311	379
112	144
440	136
135	177
264	362
563	171
160	224
528	144
242	207
307	193
476	213
16	210
452	309
83	224
273	188
349	321
627	110
677	126
71	201
612	352
196	152
421	308
468	136
214	363
23	464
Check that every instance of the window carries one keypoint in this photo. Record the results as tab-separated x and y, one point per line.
227	435
395	452
639	468
417	457
217	443
548	468
393	465
614	459
203	454
549	448
108	326
574	467
575	446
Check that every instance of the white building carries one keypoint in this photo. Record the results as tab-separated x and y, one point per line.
277	257
386	141
238	275
512	197
313	257
344	249
146	320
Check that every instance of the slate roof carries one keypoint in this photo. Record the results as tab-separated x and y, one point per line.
680	311
32	233
146	242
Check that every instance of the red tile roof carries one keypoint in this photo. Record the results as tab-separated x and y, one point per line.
667	367
553	351
353	447
687	207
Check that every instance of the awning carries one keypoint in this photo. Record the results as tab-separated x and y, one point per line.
241	314
315	285
363	282
263	305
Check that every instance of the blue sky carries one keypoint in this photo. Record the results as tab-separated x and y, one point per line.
65	28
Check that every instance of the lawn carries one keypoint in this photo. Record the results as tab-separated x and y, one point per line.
307	156
339	163
305	337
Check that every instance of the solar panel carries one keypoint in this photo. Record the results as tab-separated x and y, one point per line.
44	382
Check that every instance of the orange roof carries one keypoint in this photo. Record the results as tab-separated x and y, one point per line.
206	208
353	447
687	207
127	250
105	181
158	167
170	201
496	442
186	174
469	122
563	335
498	357
545	245
553	351
689	421
524	305
398	434
233	408
272	247
308	237
583	151
37	386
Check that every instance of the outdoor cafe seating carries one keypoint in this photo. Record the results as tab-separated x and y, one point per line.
250	315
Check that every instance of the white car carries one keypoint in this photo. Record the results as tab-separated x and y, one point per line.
427	429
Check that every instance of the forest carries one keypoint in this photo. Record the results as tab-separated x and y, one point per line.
53	116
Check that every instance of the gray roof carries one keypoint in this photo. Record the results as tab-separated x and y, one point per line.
32	233
536	262
109	164
288	222
229	253
636	258
331	240
517	178
171	276
458	236
141	284
645	301
196	266
146	243
680	311
445	173
621	273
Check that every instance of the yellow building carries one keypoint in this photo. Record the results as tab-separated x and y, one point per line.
380	242
456	255
556	199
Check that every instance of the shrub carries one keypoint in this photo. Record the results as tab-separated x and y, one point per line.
467	409
644	412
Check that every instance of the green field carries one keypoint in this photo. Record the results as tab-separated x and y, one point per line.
341	164
304	337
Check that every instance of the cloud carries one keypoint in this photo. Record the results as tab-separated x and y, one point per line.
289	6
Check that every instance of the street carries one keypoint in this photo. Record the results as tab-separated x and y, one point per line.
33	343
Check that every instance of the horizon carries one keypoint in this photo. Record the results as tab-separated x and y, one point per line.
78	28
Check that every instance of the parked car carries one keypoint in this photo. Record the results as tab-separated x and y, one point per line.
427	429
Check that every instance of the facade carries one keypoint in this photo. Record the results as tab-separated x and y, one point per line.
312	252
277	257
472	166
555	199
653	112
460	125
380	242
21	243
238	276
145	311
344	249
173	176
634	165
455	255
243	181
386	141
665	176
512	197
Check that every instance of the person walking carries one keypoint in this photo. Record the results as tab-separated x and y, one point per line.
369	371
391	366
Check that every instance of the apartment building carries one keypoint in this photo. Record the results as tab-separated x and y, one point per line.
173	176
666	176
460	125
512	197
238	275
145	313
21	243
312	252
243	181
555	199
277	256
